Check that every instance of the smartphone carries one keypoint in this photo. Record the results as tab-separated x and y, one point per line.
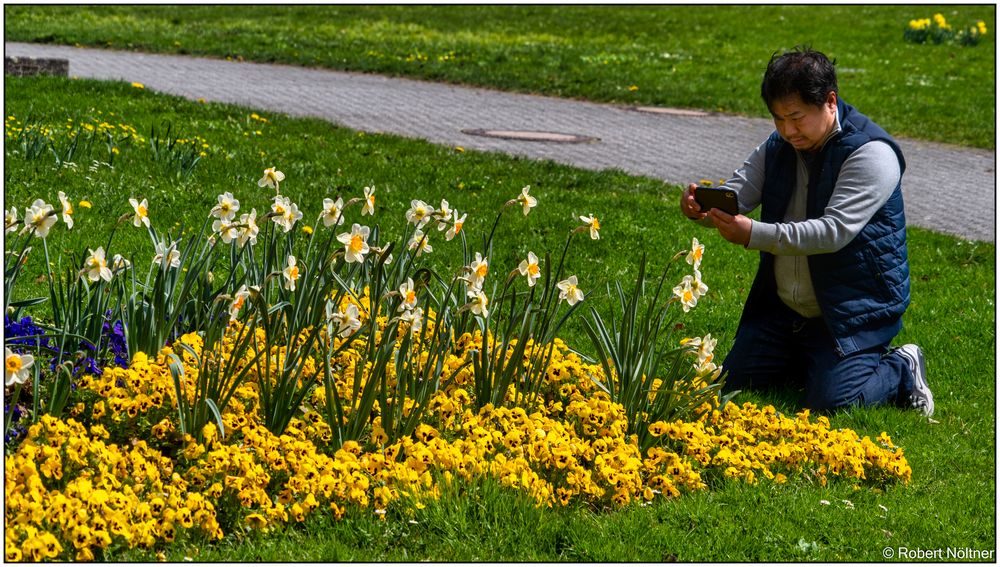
715	198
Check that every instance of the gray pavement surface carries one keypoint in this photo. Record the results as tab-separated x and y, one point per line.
672	147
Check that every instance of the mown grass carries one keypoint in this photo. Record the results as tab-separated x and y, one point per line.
948	504
707	57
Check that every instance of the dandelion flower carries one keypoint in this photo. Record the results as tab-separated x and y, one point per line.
141	212
332	212
569	291
529	268
526	201
67	212
40	217
96	266
271	179
226	207
594	225
355	243
138	86
369	206
85	204
290	273
16	367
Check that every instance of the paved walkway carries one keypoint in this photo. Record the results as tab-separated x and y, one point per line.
947	188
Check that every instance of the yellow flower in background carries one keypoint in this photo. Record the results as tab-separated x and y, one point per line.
981	26
138	85
633	88
307	229
85	204
941	22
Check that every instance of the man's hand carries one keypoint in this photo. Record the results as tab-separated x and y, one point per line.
735	229
690	207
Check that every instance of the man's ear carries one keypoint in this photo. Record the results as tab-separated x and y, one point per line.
831	99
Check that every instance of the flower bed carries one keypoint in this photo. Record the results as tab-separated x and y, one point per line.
312	373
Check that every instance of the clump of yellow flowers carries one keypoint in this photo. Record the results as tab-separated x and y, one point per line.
116	473
938	30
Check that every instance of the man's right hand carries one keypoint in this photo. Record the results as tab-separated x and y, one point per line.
690	207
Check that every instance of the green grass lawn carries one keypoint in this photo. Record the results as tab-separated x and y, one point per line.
707	57
950	502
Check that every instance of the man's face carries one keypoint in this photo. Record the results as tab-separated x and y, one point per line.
802	125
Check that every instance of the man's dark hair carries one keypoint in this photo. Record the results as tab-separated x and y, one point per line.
804	72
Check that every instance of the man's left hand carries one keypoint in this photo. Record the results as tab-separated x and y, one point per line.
735	229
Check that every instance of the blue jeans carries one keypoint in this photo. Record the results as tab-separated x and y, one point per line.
788	349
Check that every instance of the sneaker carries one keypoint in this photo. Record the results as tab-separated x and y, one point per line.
921	397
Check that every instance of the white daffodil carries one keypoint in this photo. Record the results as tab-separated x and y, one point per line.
67	212
16	367
141	213
409	296
529	269
443	214
420	243
569	291
527	201
697	251
456	226
347	321
271	179
686	294
171	253
697	286
120	263
40	217
248	228
369	206
477	302
705	348
10	220
96	266
226	208
241	297
419	213
226	229
477	271
594	224
355	243
286	213
415	317
333	212
290	273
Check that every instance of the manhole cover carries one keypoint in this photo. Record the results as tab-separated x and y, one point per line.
532	136
671	111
